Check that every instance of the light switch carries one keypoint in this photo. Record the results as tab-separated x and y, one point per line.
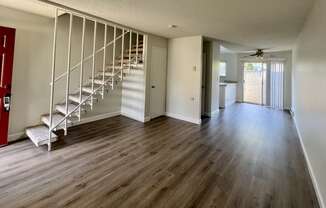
194	68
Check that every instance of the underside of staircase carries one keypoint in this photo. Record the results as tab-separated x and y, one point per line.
84	99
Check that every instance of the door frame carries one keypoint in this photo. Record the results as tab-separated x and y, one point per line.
268	61
262	62
151	115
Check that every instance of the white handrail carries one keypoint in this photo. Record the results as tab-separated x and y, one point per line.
76	108
91	17
80	104
75	67
83	59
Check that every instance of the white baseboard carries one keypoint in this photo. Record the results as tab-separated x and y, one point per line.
16	136
147	118
135	117
183	118
311	172
22	135
214	113
96	118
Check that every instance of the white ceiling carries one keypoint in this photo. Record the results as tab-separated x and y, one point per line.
272	24
32	6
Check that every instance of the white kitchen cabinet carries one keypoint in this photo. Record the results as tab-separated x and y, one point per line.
228	94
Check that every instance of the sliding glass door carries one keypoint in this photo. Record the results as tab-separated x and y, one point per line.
254	87
277	85
263	83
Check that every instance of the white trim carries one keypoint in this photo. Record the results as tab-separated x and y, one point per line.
21	135
16	136
311	171
96	118
214	113
147	118
134	117
183	118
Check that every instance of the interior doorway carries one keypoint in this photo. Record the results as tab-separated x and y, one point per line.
206	79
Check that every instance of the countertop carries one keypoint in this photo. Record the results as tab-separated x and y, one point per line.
227	83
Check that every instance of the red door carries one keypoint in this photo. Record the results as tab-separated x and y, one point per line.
7	43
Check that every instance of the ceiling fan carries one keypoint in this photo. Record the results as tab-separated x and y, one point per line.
259	53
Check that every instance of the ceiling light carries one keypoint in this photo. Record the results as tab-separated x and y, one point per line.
173	26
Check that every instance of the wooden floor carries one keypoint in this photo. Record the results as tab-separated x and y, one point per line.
248	156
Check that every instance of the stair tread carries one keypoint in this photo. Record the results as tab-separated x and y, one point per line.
88	88
56	118
61	107
76	97
99	81
40	135
110	74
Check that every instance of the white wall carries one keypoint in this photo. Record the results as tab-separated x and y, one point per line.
309	97
184	78
136	86
32	61
231	60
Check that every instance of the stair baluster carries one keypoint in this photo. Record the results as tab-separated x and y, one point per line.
81	68
54	53
113	56
68	70
93	63
122	53
130	45
104	59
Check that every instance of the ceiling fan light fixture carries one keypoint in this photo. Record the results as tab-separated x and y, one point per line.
173	26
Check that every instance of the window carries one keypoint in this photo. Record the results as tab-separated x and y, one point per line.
222	69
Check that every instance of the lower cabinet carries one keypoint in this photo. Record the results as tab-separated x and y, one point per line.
228	94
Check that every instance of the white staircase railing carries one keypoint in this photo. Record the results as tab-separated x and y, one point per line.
80	65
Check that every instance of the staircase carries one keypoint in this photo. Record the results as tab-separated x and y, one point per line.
67	113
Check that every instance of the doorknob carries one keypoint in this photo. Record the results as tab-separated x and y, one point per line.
153	86
7	102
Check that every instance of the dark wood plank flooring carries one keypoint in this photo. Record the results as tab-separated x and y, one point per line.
248	156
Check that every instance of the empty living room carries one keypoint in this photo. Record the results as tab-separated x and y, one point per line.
174	104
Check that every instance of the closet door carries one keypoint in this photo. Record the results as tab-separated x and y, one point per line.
158	82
